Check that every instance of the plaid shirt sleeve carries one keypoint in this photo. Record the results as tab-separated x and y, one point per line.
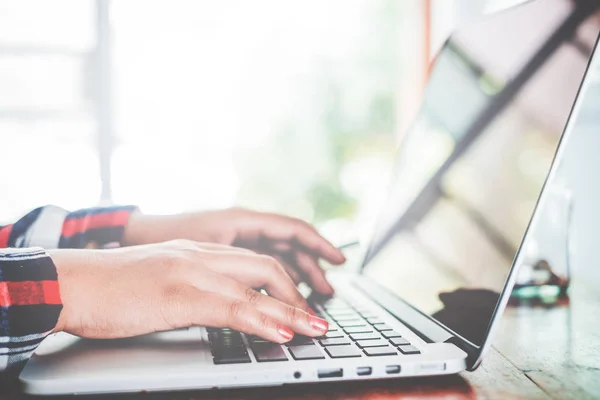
29	294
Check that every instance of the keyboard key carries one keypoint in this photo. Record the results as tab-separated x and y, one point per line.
335	302
269	352
375	321
409	350
399	341
380	351
365	336
353	322
343	351
334	342
382	327
342	313
226	341
368	314
256	339
215	345
300	340
390	334
311	352
358	329
336	307
332	335
347	317
371	343
231	357
232	360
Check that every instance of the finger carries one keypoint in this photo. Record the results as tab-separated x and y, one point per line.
223	248
279	227
296	275
281	246
314	272
216	310
298	320
289	269
259	271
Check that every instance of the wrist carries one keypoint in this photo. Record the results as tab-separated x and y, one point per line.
69	266
59	260
133	230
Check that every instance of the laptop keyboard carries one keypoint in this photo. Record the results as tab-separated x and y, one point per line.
353	332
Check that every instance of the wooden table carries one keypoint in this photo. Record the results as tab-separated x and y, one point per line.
540	352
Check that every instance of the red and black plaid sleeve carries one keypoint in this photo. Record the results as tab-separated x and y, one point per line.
29	294
52	227
102	226
29	304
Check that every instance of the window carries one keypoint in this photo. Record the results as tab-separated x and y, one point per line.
45	105
191	105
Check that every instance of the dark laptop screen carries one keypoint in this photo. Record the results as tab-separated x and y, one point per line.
471	168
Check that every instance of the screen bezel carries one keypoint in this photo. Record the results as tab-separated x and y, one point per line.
476	352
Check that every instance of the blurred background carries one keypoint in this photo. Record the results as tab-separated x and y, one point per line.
288	106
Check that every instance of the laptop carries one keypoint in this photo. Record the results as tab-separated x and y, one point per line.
437	269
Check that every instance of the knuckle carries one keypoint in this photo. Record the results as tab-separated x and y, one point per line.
252	296
270	263
303	225
292	315
182	243
263	322
300	300
172	310
172	292
236	308
174	265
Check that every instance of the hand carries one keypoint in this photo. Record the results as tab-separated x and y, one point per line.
135	290
294	243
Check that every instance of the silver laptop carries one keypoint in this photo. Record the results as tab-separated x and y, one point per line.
439	266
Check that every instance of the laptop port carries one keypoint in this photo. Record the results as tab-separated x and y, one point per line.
432	367
392	369
362	371
330	373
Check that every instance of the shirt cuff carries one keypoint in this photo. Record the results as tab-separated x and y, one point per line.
30	303
99	227
39	228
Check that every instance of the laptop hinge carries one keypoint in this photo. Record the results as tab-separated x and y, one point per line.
472	352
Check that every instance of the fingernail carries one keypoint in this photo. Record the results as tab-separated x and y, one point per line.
319	324
286	333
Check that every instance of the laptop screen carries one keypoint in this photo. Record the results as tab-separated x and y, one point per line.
472	166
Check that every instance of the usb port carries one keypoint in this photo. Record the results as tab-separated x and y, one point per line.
362	371
392	369
330	373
